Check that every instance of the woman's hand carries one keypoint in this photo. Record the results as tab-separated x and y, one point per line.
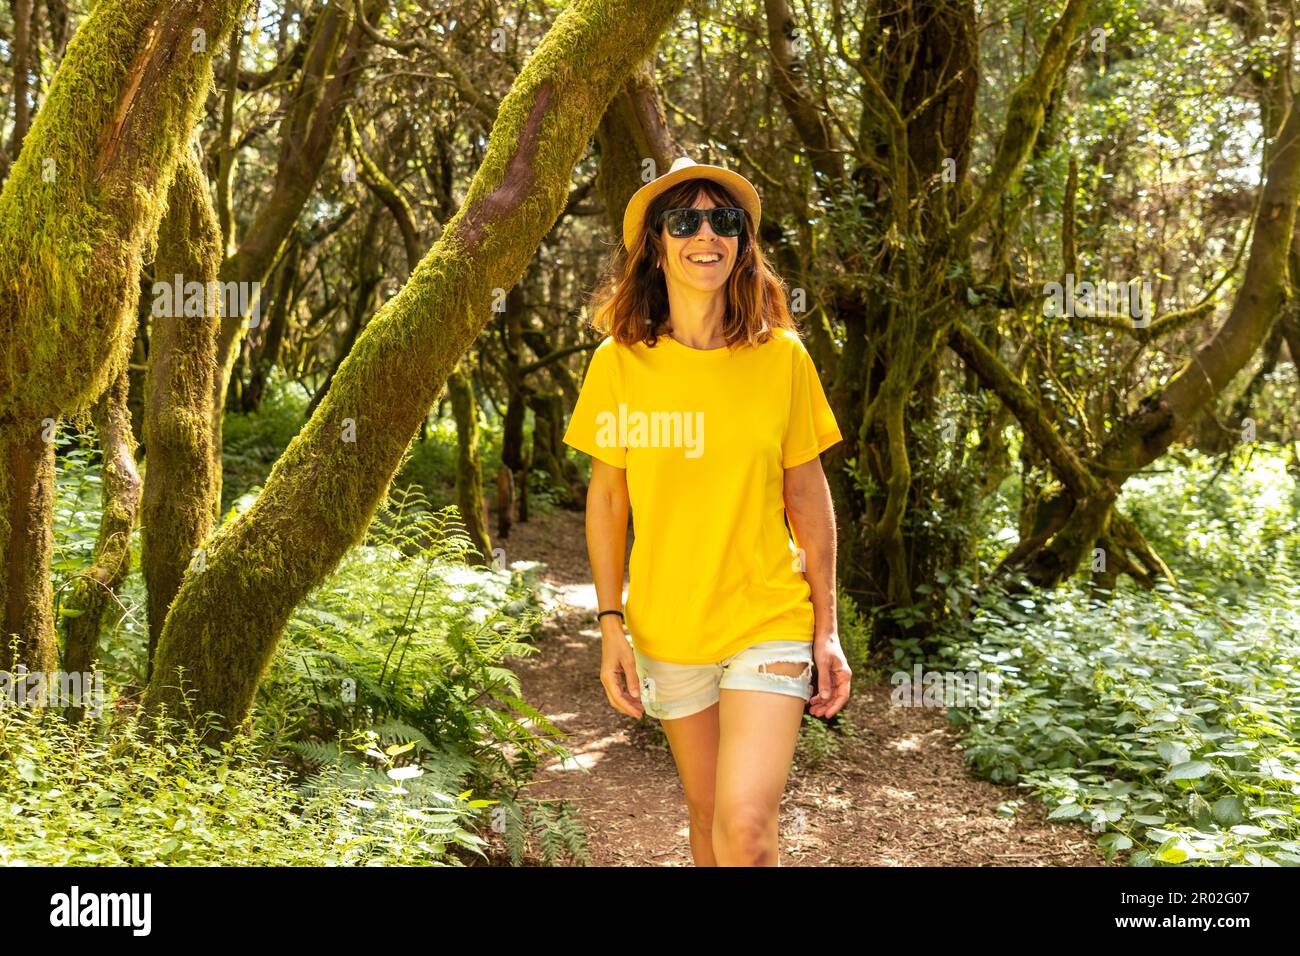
618	671
833	676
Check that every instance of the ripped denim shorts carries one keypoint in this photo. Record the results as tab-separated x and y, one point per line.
669	691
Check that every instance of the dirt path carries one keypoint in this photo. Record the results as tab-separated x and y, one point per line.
898	794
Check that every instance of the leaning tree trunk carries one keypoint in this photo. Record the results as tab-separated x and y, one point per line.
225	624
469	473
91	175
180	489
97	585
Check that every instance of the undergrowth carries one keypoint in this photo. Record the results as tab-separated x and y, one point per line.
1165	720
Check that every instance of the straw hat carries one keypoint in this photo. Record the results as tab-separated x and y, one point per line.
686	168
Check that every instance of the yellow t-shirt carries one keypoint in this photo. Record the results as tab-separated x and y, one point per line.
705	436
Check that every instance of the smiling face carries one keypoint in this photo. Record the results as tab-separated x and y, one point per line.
702	262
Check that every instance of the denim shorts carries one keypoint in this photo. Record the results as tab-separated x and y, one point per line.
669	691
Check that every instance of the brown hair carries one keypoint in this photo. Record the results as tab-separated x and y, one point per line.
631	303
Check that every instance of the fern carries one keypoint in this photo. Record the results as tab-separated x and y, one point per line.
554	825
572	833
408	644
315	751
533	714
516	831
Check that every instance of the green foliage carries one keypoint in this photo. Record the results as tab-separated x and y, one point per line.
855	633
543	496
251	443
78	500
819	743
432	464
393	790
402	653
1223	523
947	504
404	635
553	824
121	793
1166	720
77	505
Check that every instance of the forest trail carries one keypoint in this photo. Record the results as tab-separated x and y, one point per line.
899	794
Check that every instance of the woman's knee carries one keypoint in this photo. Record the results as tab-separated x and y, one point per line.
748	830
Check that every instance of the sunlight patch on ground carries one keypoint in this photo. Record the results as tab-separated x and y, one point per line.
579	595
582	761
895	794
588	756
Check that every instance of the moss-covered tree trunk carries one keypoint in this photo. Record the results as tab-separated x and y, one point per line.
469	469
82	201
180	489
26	503
464	407
321	495
97	585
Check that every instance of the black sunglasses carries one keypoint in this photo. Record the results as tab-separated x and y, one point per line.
726	221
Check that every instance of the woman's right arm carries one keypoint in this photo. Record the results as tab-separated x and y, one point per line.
607	513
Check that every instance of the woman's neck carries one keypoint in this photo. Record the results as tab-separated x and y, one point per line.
695	317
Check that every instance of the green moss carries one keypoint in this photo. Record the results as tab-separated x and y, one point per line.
71	245
181	482
78	210
26	595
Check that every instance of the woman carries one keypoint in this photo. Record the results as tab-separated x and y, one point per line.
703	413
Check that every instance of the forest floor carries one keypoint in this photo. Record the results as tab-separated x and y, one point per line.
898	794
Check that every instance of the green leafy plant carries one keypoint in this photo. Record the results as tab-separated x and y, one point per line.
1165	720
133	791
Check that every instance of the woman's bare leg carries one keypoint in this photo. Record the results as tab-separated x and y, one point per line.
694	743
758	732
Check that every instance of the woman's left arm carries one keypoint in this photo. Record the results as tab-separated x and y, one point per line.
808	507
